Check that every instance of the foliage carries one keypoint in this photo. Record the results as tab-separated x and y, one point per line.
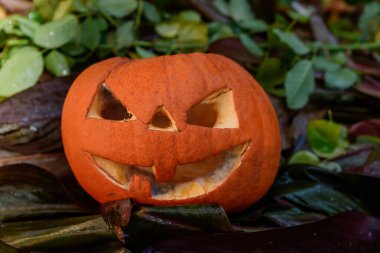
71	34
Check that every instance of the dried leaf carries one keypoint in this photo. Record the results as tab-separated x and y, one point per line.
164	222
28	192
361	235
59	235
30	120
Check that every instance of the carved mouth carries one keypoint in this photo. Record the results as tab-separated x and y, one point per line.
191	180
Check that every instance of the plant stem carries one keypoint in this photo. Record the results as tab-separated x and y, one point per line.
355	46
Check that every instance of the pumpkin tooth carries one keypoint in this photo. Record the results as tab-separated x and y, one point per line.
197	186
116	171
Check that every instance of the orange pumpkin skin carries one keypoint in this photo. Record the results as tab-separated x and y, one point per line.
176	83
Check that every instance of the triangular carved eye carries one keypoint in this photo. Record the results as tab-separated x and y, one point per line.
216	110
106	106
162	121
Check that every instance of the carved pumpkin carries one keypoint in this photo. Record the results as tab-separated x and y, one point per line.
180	129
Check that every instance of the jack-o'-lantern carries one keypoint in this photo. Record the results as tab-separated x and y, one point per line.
182	129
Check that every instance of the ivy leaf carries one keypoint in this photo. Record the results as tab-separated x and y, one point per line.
341	79
299	84
57	64
292	41
117	8
56	33
90	33
21	71
124	35
240	10
251	45
326	138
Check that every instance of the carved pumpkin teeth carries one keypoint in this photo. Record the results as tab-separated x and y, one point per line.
190	180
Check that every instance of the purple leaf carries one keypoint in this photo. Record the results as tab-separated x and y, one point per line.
357	157
298	126
366	127
370	86
320	30
348	232
365	64
30	120
283	118
233	48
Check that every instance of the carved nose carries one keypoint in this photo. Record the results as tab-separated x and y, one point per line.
162	121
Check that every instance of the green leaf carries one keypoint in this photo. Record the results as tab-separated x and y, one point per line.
326	138
21	71
27	26
151	13
221	6
62	9
368	139
254	25
143	53
124	35
189	16
56	33
304	157
270	72
73	49
292	41
57	64
79	6
9	26
331	166
90	33
251	45
325	64
299	84
193	33
218	31
240	10
167	29
341	79
339	57
117	8
369	20
299	17
102	23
